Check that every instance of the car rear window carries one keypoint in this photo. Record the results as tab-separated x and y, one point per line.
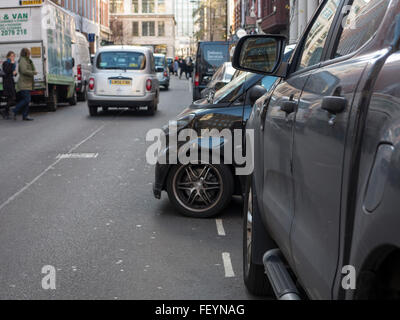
121	60
214	55
160	61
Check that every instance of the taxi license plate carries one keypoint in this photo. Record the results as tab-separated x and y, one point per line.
121	82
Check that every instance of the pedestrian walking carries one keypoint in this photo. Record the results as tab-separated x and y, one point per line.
183	68
25	84
189	68
176	67
9	72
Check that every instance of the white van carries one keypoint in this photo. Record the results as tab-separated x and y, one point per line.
82	65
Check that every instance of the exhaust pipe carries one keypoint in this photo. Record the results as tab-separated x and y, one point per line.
279	277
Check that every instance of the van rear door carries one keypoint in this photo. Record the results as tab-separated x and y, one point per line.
211	57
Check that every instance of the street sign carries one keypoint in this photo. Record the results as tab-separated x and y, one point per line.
91	37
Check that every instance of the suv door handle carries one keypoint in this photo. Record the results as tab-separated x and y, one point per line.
288	106
334	104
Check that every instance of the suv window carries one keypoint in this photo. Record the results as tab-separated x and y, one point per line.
360	24
316	38
230	92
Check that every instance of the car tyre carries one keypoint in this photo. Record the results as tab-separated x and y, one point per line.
204	205
152	108
93	111
74	99
105	109
256	242
52	101
82	96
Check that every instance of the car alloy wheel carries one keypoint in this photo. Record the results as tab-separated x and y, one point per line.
198	188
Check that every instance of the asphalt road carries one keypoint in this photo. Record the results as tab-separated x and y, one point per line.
96	221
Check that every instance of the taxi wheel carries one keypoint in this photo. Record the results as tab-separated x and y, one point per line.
152	108
93	111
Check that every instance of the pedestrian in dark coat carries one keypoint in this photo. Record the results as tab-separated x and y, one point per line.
189	68
9	69
183	68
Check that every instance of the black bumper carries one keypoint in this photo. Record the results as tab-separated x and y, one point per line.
161	173
118	104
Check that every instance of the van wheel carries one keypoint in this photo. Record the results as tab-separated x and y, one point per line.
255	243
200	190
73	100
93	111
82	96
152	108
52	101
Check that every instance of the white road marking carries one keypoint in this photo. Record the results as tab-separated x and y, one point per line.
220	227
226	258
50	167
77	155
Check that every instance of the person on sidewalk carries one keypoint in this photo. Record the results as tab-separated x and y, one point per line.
189	68
25	84
176	67
183	68
9	69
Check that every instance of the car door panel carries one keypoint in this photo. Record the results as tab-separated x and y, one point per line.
318	152
277	200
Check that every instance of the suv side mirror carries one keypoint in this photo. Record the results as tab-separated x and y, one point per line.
256	93
260	54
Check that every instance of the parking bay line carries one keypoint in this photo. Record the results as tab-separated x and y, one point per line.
77	155
220	227
32	182
226	258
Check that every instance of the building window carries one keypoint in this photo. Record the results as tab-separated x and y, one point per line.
148	29
161	29
148	6
116	6
161	6
135	6
135	29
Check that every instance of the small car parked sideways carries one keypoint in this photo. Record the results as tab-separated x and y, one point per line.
321	210
82	65
229	108
123	77
220	78
162	70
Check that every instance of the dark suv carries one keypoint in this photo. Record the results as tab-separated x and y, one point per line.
210	56
321	212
